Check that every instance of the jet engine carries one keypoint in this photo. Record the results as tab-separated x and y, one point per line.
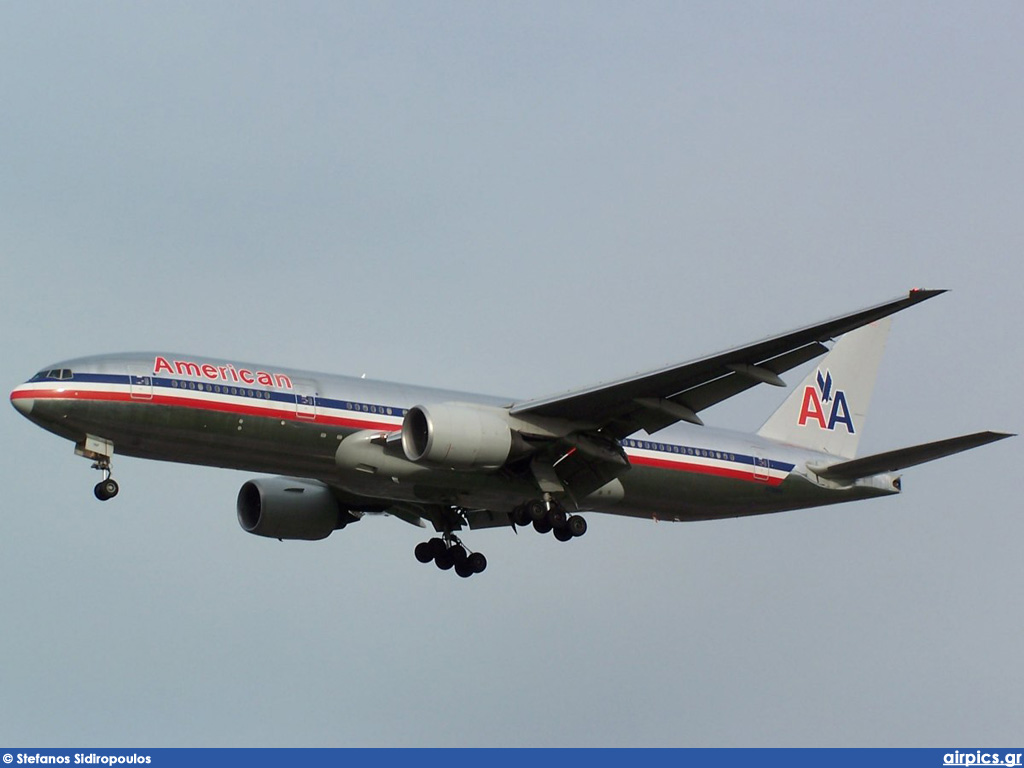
287	508
459	437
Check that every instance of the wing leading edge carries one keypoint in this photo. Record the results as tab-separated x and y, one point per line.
653	401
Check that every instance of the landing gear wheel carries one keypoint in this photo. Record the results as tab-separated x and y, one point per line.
556	517
444	561
521	516
106	489
577	525
424	552
458	554
542	526
536	509
477	562
437	547
563	534
463	569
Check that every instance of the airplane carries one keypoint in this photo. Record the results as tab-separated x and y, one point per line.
343	448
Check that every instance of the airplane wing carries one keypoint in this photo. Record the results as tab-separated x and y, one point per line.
653	401
891	461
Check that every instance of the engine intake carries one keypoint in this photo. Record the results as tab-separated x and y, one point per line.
458	436
287	508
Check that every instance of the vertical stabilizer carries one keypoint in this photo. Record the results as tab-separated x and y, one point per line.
826	412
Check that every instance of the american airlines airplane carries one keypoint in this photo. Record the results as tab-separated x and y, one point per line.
344	448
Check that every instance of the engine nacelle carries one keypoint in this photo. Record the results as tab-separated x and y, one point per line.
287	508
458	436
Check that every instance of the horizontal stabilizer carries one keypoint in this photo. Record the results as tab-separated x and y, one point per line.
890	461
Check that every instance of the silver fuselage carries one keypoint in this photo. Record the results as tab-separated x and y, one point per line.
267	419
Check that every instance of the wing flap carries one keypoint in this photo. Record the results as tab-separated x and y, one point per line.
901	458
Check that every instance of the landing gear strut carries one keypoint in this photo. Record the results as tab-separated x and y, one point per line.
448	552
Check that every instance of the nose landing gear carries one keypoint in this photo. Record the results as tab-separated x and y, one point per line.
100	450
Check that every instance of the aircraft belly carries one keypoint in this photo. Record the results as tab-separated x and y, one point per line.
464	489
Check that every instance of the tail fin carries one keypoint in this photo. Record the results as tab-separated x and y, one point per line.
826	412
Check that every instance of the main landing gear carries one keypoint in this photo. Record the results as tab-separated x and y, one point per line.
549	517
448	552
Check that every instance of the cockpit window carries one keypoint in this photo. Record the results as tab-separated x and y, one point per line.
59	374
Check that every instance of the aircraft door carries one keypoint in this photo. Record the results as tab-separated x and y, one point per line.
305	398
761	467
140	381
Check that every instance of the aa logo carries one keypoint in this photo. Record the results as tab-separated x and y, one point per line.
825	407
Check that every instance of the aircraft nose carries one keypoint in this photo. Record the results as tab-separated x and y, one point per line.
21	403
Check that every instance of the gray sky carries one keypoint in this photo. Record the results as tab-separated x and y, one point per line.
514	200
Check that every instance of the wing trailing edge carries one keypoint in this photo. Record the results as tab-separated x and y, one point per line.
901	458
